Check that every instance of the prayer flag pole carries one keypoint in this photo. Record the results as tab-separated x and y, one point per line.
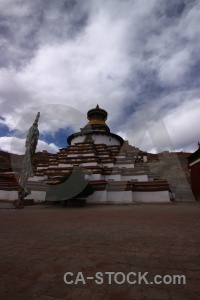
30	144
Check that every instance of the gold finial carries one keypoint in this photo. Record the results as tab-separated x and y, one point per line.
97	106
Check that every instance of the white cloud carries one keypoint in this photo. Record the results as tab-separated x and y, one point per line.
123	55
182	126
17	146
72	73
166	127
174	68
15	8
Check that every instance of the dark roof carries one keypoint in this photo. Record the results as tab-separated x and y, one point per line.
194	156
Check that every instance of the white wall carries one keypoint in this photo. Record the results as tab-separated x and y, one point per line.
157	196
36	178
8	195
38	196
66	165
97	177
90	164
97	197
131	165
116	177
119	197
108	164
40	168
144	158
98	139
139	177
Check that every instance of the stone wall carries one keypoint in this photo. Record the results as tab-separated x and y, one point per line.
173	167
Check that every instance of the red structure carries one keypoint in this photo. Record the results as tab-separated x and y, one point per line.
194	165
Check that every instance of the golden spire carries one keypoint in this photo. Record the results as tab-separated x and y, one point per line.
97	116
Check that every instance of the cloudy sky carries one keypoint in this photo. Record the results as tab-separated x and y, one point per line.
137	59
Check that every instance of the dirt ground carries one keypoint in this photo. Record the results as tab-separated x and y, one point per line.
40	243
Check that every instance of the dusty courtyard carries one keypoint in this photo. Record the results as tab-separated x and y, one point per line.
39	244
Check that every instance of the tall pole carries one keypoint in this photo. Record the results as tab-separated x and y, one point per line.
30	144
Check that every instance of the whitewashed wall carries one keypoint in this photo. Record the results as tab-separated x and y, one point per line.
159	196
119	197
108	165
131	165
38	196
8	195
97	197
40	168
98	139
145	158
138	177
36	178
116	177
87	154
97	177
90	164
128	197
65	165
